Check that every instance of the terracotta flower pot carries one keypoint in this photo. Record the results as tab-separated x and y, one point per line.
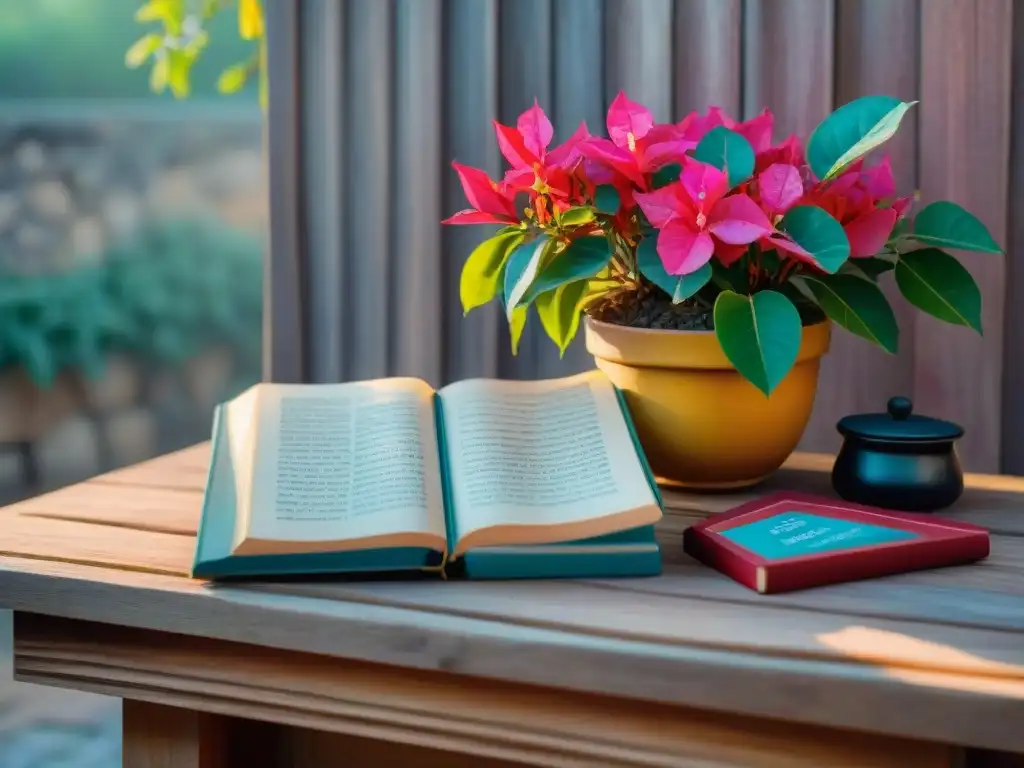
701	424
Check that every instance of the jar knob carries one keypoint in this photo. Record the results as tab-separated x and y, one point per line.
900	407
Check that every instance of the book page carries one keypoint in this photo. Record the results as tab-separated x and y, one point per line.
346	461
540	453
239	419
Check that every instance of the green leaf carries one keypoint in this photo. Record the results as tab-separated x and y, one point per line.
666	175
516	323
179	64
731	278
728	151
857	305
936	283
523	266
679	287
814	230
170	12
159	73
760	335
482	270
852	131
867	269
142	49
574	217
559	312
948	225
584	257
607	200
36	352
234	78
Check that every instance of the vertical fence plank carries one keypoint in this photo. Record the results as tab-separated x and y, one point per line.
369	41
525	75
708	55
876	52
793	78
471	102
795	81
323	135
1013	324
283	327
964	152
639	53
578	36
416	178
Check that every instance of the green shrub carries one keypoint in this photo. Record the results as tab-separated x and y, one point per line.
175	288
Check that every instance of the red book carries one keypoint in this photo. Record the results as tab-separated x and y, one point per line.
790	541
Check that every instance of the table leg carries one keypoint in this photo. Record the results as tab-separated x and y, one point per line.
156	736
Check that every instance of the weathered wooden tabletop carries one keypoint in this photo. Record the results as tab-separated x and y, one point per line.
936	655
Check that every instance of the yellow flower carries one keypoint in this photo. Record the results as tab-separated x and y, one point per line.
250	19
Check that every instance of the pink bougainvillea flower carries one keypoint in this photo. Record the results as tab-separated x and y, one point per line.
728	254
757	130
636	147
694	212
857	200
695	126
789	151
491	203
779	186
869	231
628	121
902	206
535	169
878	180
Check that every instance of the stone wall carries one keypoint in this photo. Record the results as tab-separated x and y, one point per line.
68	191
81	427
71	191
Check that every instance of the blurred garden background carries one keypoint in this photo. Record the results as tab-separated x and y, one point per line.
131	236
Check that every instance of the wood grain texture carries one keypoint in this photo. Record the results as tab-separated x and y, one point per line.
964	150
1012	454
639	52
794	81
322	31
876	52
157	736
416	208
369	44
485	719
708	55
936	654
284	324
471	102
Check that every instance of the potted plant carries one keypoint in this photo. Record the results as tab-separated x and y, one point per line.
709	263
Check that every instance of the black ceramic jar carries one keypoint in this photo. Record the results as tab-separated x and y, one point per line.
898	460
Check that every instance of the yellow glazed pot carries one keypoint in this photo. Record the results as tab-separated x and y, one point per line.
701	424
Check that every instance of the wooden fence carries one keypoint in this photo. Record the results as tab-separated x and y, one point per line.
371	99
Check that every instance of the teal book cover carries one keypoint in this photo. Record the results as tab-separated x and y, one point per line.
214	560
628	550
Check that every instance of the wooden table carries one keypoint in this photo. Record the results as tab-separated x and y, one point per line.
686	669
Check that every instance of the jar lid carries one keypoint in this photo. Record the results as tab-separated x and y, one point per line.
900	424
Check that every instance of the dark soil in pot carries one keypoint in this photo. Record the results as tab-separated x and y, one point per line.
654	310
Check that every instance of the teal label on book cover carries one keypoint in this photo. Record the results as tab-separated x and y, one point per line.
792	534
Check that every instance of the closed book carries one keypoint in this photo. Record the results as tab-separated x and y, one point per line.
789	541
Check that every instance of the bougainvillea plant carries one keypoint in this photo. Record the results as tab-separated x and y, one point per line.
707	224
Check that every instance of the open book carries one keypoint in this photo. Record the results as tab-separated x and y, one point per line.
512	478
